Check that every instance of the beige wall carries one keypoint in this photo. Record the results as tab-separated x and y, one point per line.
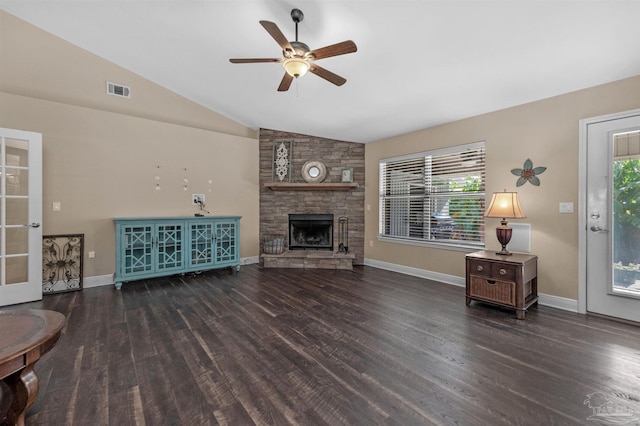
100	153
545	132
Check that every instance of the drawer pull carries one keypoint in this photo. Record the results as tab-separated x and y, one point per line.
479	268
503	272
491	282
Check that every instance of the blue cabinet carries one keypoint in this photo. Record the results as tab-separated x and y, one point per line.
154	247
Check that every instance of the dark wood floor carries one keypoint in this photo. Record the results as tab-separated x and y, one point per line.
313	347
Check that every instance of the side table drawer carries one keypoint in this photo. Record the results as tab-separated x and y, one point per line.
503	272
480	268
493	290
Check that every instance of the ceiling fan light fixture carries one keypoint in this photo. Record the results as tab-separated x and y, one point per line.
296	67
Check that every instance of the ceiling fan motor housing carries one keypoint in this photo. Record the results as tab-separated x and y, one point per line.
300	49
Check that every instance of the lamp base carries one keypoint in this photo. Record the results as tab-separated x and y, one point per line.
503	232
504	252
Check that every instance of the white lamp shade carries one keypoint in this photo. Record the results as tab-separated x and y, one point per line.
505	205
296	67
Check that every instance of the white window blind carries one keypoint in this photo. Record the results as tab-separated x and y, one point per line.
435	196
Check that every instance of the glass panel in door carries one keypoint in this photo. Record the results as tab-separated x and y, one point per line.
626	214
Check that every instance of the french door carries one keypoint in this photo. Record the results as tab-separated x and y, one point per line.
612	222
20	216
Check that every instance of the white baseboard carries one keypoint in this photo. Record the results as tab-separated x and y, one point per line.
558	302
249	260
416	272
97	281
543	299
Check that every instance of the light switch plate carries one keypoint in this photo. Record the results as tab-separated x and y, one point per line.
566	207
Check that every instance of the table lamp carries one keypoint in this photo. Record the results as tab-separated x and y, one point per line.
504	205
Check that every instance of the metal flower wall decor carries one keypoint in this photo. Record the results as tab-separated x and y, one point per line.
62	263
528	174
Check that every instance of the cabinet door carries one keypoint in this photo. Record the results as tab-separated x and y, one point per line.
201	244
226	243
169	246
137	250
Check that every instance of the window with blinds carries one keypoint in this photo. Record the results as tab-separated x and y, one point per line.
434	197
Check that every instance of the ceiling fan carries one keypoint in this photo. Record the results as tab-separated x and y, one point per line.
298	58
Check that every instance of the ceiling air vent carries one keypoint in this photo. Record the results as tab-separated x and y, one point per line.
118	90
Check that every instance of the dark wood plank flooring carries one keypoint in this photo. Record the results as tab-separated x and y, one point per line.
321	347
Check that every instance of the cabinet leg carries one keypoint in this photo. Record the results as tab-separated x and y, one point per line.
238	268
118	285
468	300
520	314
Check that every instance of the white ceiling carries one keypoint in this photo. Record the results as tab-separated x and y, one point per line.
419	63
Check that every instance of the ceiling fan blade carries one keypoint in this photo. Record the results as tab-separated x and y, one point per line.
253	60
327	75
277	35
285	83
335	50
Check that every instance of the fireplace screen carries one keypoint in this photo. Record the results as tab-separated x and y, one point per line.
311	232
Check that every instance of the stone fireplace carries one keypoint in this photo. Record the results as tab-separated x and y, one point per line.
277	204
311	232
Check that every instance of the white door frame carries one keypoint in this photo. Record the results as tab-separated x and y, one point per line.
582	200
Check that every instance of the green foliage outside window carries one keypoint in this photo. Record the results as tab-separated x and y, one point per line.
626	210
467	211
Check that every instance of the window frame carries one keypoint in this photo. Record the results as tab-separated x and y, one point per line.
385	213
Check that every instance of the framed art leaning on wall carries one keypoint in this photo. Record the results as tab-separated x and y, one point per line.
62	263
347	175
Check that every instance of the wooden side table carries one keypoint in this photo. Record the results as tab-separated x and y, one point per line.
507	281
25	335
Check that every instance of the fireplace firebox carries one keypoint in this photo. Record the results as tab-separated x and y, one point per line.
311	232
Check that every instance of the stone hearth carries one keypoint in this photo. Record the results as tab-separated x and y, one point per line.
307	259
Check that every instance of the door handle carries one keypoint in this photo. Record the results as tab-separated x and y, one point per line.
596	228
32	225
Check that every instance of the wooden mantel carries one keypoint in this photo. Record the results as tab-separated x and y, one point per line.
301	186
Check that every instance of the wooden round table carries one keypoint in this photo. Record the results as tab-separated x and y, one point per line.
25	335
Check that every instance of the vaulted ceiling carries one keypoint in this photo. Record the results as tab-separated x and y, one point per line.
418	64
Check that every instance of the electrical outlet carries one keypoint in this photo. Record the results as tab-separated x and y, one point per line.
92	255
197	199
57	206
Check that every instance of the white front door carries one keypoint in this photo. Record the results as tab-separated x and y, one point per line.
612	222
20	216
